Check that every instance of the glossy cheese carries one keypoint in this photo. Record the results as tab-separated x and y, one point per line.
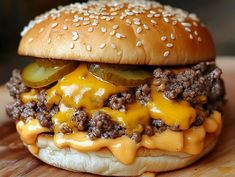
29	96
81	89
133	119
191	141
171	112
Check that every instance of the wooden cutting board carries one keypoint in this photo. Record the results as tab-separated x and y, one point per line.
15	160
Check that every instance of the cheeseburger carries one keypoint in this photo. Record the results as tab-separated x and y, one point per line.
117	88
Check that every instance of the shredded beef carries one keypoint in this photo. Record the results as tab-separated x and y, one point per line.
80	117
101	125
143	94
203	79
119	101
15	84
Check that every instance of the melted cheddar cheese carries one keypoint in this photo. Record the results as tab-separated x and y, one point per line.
80	89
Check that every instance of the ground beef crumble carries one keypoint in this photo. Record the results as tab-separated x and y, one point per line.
80	118
15	84
101	125
192	84
119	101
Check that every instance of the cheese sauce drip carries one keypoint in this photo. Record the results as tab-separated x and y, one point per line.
191	141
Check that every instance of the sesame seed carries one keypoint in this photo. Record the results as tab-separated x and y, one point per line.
128	21
174	23
163	38
102	46
65	27
157	15
191	36
196	33
172	36
118	35
114	13
71	45
186	24
103	29
187	29
195	24
121	17
146	26
86	23
54	25
199	39
49	40
150	15
112	33
94	24
166	54
113	46
88	47
75	37
115	27
86	19
137	22
138	44
139	30
41	30
166	20
169	45
77	24
74	33
75	20
90	29
30	40
152	12
153	22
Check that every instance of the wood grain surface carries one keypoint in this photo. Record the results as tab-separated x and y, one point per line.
16	161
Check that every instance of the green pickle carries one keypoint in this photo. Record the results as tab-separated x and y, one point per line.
45	72
124	75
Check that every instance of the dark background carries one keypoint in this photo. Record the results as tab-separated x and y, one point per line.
218	15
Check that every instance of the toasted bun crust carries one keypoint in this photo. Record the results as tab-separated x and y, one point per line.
119	32
103	162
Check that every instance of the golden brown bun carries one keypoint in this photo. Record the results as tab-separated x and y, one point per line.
104	163
151	34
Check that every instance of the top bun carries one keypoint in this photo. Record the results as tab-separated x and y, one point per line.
119	32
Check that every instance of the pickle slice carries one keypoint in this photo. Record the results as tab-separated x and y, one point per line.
37	75
116	74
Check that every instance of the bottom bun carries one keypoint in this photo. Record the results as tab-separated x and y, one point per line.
104	163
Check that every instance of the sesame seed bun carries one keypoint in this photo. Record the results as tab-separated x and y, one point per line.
119	32
104	163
